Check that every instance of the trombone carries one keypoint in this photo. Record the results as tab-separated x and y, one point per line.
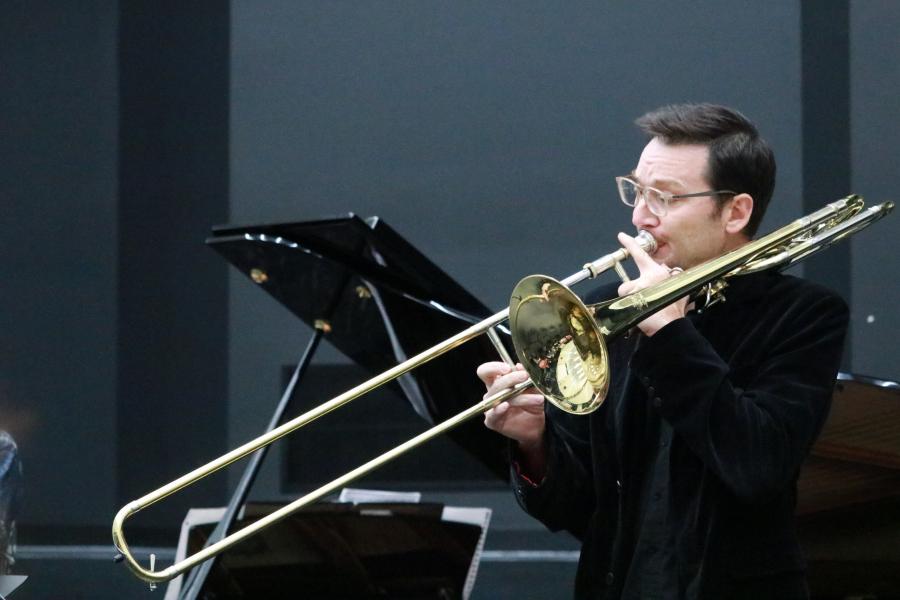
560	341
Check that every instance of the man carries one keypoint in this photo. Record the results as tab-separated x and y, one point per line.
683	483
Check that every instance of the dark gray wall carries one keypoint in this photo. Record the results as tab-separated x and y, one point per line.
58	239
173	184
825	69
113	146
875	119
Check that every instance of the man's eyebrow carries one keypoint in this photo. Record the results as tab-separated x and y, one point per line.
633	176
670	181
661	181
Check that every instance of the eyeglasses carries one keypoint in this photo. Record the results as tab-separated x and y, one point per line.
657	201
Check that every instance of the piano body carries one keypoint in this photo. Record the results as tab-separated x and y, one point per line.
849	494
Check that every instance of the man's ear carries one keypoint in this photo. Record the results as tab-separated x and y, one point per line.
737	213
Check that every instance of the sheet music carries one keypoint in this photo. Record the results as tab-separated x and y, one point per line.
363	496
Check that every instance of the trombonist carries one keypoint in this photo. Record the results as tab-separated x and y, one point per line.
682	485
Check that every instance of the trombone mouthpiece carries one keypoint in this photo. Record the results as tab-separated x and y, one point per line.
646	241
612	260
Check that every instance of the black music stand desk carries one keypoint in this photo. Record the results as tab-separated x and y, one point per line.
347	551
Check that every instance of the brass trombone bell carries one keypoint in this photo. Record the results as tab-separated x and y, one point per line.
559	344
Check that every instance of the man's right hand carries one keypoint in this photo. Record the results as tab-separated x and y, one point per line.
520	418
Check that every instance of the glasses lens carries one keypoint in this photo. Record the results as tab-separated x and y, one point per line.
627	190
655	202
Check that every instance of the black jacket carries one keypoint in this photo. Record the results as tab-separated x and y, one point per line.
746	387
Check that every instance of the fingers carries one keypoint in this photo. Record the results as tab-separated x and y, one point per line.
527	400
489	371
643	260
533	403
504	382
627	287
651	271
495	417
525	403
498	376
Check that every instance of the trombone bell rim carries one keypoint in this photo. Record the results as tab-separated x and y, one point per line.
559	344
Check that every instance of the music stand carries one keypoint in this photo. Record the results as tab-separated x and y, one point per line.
346	551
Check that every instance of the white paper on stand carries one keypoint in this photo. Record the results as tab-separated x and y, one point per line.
470	516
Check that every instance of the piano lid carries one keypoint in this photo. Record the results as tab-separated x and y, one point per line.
381	301
330	269
370	248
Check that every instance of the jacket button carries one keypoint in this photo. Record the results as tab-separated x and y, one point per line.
646	380
651	391
610	577
657	402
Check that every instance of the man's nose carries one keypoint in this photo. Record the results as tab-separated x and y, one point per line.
641	217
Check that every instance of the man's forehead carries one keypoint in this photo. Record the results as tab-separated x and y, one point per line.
683	165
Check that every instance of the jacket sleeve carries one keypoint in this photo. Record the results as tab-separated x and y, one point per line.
564	499
576	468
751	424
